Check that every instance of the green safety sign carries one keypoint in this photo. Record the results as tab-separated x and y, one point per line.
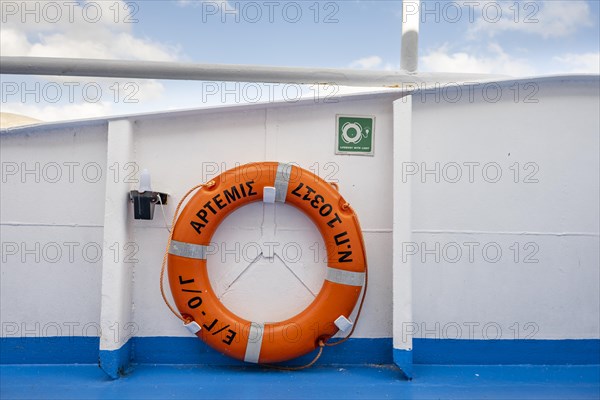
354	135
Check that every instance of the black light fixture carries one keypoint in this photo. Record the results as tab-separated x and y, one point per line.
145	198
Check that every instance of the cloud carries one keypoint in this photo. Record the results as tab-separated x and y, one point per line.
13	42
90	29
548	19
588	63
366	62
494	61
370	62
71	31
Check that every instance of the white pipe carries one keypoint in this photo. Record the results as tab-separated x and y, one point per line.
223	72
409	57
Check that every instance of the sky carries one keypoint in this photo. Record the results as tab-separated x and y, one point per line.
516	38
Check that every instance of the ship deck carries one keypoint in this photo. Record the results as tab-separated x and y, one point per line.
342	382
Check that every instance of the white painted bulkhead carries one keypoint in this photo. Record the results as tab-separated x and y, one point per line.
507	189
182	150
553	220
207	143
52	213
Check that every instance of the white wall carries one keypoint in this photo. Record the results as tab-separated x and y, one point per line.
183	151
554	219
52	230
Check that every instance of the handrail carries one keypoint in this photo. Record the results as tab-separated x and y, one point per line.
225	72
410	35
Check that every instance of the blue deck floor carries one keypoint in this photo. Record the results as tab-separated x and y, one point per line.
352	382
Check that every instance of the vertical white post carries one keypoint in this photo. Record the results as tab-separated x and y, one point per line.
116	308
409	57
402	236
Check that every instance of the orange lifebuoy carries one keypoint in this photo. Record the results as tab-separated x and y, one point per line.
259	341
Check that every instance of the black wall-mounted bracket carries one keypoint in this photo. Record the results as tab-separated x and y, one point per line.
144	202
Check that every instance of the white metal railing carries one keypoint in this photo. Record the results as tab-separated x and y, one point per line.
224	72
410	35
406	77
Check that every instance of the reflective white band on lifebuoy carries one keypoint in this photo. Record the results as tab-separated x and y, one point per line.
282	179
188	250
345	277
255	338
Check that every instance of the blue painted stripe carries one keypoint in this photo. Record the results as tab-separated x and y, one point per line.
176	350
168	350
404	360
116	362
49	350
504	352
189	350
